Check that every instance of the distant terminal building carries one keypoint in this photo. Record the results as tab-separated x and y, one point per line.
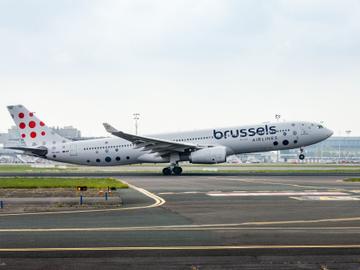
12	137
4	137
335	149
344	149
68	132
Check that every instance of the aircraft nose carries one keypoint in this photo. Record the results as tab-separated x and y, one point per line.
329	132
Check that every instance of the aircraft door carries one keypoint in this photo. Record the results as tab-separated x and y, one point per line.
73	150
303	131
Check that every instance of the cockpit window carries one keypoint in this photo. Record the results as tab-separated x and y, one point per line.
320	126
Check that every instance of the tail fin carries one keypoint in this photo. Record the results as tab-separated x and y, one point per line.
33	131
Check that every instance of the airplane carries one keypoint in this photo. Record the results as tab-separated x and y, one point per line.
208	146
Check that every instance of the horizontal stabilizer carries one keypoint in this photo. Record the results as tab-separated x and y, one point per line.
39	152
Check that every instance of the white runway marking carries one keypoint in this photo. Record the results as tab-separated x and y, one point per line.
181	193
270	193
326	198
266	182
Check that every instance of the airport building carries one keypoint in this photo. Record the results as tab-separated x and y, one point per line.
12	137
335	149
4	137
69	132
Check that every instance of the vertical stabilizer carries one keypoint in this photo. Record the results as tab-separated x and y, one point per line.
32	130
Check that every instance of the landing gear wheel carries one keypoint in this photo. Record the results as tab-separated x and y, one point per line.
177	170
301	156
167	171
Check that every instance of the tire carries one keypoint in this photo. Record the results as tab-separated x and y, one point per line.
177	170
301	156
167	171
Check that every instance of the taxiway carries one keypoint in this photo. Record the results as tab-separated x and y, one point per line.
287	220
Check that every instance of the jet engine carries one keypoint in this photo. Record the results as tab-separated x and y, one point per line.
210	155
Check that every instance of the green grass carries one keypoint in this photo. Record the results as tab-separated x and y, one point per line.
256	165
50	182
221	168
261	168
29	168
352	180
15	168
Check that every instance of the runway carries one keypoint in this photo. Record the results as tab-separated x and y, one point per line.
282	221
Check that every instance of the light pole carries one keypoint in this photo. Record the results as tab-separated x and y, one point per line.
321	146
277	117
348	132
136	119
339	154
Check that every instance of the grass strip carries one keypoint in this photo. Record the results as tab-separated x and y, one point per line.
352	180
50	182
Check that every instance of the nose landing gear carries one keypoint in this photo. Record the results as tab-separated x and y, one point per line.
301	156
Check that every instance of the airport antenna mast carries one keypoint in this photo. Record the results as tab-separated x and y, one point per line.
136	119
277	117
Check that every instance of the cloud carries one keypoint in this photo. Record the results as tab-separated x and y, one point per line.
200	62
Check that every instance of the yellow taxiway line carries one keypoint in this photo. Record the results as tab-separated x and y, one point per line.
230	226
182	248
158	202
176	228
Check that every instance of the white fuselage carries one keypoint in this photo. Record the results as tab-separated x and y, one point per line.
237	140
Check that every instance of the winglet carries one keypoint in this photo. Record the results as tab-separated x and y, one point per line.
110	128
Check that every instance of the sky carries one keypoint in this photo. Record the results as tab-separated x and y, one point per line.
181	64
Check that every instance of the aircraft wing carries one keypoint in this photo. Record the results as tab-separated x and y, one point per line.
154	145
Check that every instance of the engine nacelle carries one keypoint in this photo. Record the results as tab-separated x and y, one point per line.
210	155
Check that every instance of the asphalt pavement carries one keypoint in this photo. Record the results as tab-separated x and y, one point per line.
198	222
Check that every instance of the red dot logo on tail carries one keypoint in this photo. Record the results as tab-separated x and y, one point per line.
43	133
32	124
23	136
21	115
22	125
42	123
33	135
31	114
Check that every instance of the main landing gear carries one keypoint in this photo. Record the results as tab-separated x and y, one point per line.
301	156
177	170
174	167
